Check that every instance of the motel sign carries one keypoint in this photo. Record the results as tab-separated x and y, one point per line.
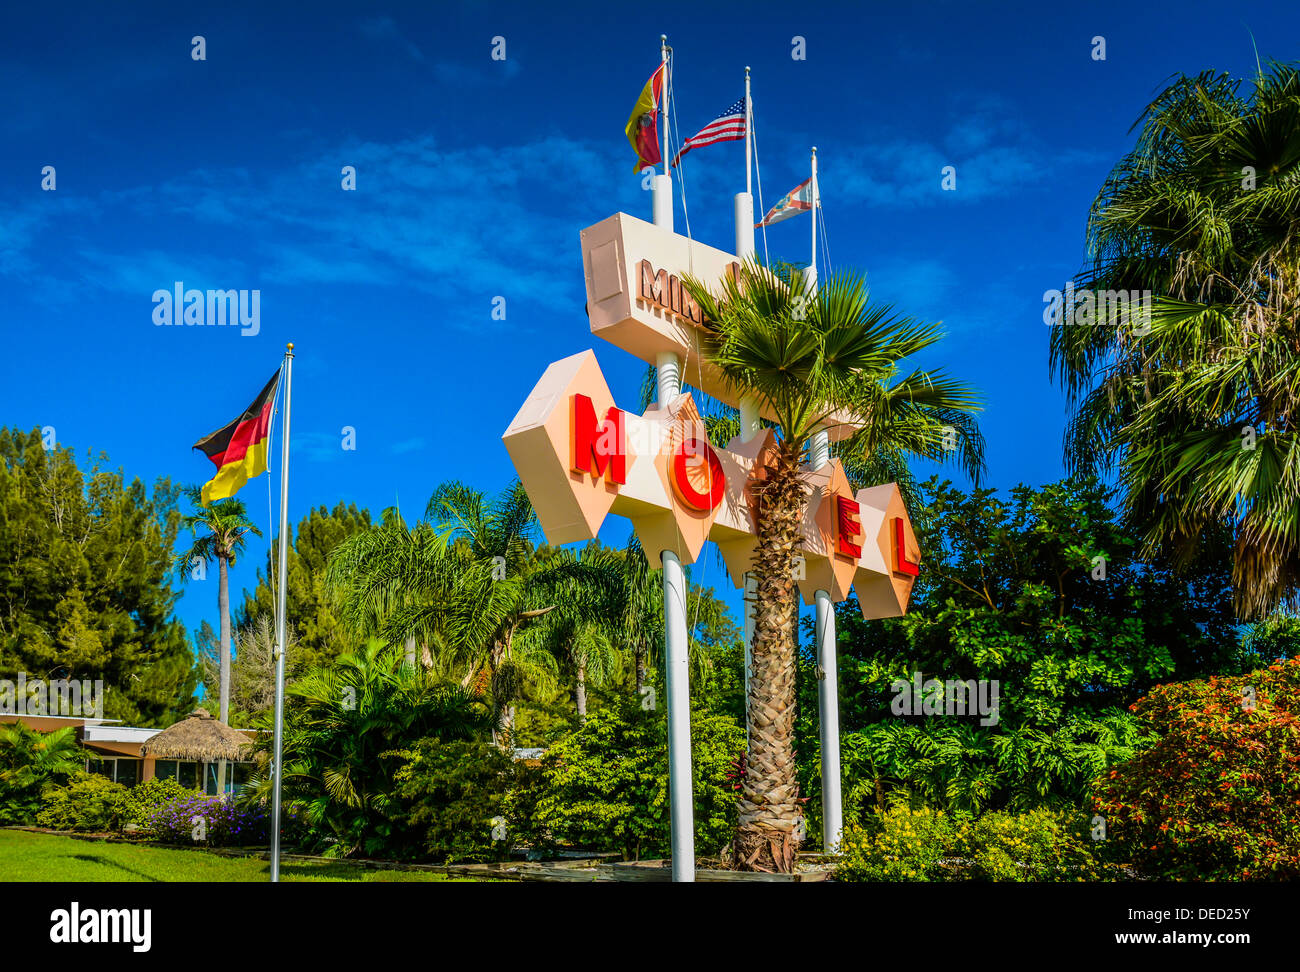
581	457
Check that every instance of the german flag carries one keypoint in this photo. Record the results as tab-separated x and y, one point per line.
239	449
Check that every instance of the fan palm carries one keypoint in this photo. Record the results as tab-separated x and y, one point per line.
1198	406
805	361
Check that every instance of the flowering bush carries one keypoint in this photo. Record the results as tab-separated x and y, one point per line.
210	821
1218	797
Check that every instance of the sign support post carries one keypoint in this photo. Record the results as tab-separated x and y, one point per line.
676	654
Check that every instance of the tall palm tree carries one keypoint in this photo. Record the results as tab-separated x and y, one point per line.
1198	403
804	360
225	525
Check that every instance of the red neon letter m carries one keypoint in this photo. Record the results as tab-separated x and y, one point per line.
597	449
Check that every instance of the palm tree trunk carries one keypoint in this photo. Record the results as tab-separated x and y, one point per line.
768	803
223	606
640	667
580	690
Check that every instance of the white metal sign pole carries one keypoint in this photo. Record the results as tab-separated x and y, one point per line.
828	703
828	692
676	658
827	675
283	574
749	421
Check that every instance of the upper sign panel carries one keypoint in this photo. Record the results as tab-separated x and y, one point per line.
635	299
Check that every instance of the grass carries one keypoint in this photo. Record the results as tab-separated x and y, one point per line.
26	856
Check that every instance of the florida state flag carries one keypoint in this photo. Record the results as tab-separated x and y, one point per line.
643	123
239	449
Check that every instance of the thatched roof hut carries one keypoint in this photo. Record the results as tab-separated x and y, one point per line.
200	737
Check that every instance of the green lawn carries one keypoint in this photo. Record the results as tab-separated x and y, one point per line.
26	856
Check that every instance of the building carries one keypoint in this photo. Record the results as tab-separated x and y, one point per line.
189	754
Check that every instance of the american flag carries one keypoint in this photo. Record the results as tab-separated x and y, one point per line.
727	127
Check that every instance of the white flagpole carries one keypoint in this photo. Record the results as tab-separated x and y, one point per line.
663	95
812	190
277	769
749	123
663	193
744	213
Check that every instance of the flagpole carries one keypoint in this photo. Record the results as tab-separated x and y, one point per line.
277	770
749	122
663	94
743	207
663	184
812	265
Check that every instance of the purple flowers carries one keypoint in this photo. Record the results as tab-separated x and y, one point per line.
210	821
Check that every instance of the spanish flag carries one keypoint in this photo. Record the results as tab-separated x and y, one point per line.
239	449
643	123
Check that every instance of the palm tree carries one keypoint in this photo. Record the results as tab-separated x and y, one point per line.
226	524
1198	403
576	635
631	601
462	586
804	360
387	567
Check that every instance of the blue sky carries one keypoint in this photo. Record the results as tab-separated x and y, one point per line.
474	177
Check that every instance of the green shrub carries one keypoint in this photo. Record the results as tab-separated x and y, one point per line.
1218	796
900	844
604	786
904	844
87	802
1035	846
456	793
144	799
